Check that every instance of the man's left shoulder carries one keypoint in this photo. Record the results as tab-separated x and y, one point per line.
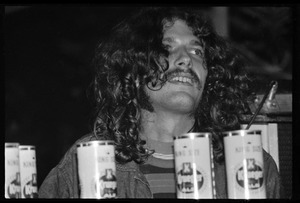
267	157
269	162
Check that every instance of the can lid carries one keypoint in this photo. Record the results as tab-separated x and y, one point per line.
193	135
96	142
241	132
27	147
11	144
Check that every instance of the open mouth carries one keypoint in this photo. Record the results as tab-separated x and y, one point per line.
182	79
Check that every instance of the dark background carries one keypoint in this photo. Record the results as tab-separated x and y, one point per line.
48	52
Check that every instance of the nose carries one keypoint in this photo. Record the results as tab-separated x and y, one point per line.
183	60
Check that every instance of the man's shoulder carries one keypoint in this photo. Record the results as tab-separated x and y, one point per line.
269	161
86	138
267	157
68	157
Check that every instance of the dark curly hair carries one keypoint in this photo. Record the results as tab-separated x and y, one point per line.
133	56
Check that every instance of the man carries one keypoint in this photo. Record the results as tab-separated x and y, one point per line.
162	73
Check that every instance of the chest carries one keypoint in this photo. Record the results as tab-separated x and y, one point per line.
162	178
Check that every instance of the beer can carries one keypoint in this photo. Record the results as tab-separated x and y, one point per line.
97	169
12	171
194	166
28	171
244	164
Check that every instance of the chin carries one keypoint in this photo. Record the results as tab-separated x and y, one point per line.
182	103
184	97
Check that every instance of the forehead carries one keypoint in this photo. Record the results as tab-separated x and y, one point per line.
178	29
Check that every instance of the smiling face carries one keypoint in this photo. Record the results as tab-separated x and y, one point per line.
186	74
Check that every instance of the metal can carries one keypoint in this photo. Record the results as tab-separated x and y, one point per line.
194	166
244	164
28	171
12	171
97	169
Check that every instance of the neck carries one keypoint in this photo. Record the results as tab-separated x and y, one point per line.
163	127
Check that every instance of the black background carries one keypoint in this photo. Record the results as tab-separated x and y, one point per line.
48	52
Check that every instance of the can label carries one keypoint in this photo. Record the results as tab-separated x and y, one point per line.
12	171
244	166
28	171
193	163
97	170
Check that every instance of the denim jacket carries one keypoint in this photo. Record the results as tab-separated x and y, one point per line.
62	181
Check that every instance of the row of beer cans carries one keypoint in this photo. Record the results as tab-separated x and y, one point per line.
20	171
194	166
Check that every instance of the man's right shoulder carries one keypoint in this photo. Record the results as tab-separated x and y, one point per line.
73	149
86	138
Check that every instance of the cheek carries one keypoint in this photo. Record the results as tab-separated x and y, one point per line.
204	76
200	68
203	72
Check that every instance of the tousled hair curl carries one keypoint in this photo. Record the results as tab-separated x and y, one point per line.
131	58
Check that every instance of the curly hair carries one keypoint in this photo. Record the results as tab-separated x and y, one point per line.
133	56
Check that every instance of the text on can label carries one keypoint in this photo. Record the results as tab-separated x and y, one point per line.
189	152
28	164
103	159
12	162
254	175
186	178
248	149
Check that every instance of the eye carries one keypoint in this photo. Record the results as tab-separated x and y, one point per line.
197	51
167	47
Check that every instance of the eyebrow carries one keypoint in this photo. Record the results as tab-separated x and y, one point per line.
168	39
171	39
196	42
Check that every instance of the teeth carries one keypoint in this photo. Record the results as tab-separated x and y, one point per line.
182	79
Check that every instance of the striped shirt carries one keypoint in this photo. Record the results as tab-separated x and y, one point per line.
160	174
